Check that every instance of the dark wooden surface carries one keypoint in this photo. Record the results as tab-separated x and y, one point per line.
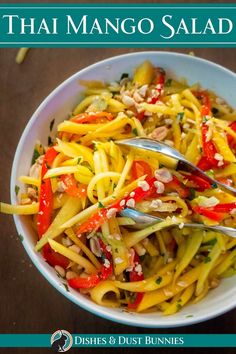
28	303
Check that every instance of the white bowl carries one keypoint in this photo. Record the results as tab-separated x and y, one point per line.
58	105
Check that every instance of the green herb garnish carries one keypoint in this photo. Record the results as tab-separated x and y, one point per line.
21	237
192	194
214	110
207	259
212	242
210	173
100	205
49	141
180	116
179	306
168	83
66	287
159	280
135	132
124	76
51	124
36	155
17	188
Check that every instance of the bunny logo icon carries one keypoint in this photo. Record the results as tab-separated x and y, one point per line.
61	341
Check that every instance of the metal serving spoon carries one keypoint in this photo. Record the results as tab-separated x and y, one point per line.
143	220
183	163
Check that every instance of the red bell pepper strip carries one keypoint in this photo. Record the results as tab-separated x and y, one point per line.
206	102
141	168
209	149
91	117
53	258
46	210
46	195
204	164
224	207
102	216
209	213
50	156
159	82
177	186
72	188
140	116
136	299
231	140
135	276
199	183
93	279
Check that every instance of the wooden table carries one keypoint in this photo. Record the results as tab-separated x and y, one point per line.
28	303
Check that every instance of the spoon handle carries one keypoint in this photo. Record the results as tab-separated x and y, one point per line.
143	220
183	164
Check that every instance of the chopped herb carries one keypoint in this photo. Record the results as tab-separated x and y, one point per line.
135	132
79	160
214	185
95	146
51	124
210	173
49	141
214	110
103	257
17	188
180	116
168	83
207	259
204	119
100	205
36	155
159	280
179	306
66	287
124	76
21	237
212	242
192	194
142	257
187	316
132	298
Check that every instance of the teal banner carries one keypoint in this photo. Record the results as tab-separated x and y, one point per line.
118	25
64	340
